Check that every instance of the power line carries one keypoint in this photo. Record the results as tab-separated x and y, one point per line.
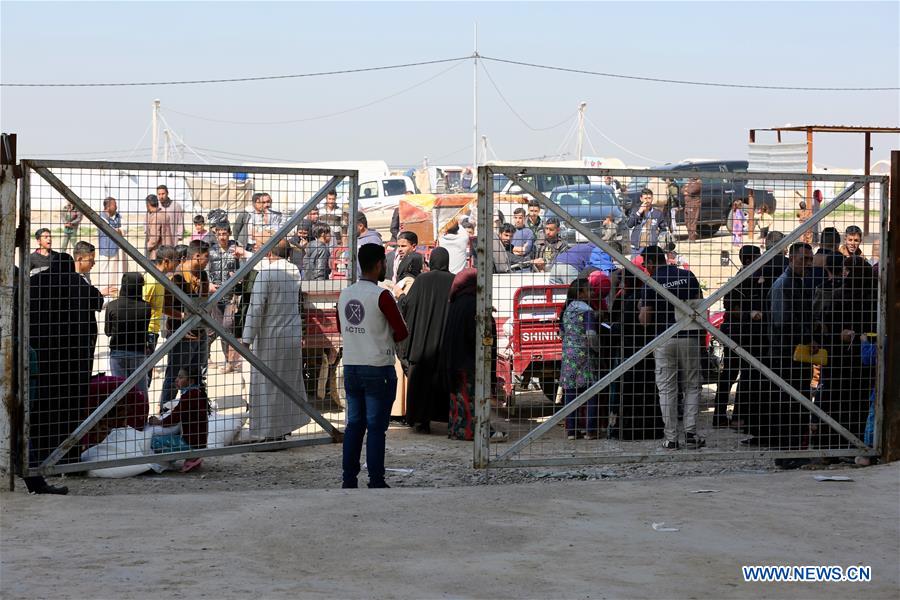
318	117
458	59
620	146
241	79
514	111
697	83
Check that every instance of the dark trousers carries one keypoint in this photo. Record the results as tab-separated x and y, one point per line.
370	393
186	355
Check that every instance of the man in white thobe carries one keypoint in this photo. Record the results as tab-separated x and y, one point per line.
273	330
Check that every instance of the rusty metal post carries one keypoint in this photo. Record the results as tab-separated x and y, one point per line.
891	397
9	413
867	168
809	163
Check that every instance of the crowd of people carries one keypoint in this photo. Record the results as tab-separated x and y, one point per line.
784	314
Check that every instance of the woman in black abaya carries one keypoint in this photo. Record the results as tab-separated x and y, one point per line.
63	333
425	311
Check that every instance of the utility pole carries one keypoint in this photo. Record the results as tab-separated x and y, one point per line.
166	135
475	101
579	149
484	149
154	152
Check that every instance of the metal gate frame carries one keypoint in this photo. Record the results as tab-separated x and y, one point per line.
483	393
199	309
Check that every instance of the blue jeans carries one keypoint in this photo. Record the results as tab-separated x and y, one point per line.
123	363
370	393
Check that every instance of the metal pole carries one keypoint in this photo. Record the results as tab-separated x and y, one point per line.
484	149
166	135
24	300
8	389
351	227
154	152
867	169
475	100
809	162
579	148
887	286
890	399
483	309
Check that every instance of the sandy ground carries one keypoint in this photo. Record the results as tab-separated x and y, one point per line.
549	538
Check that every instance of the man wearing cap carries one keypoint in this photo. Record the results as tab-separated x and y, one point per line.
677	359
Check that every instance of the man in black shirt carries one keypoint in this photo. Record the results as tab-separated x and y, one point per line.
40	258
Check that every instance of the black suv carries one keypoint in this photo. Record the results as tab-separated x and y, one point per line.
716	196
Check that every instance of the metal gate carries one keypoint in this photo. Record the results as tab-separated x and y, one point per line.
216	283
642	359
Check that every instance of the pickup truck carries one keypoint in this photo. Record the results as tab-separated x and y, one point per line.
717	195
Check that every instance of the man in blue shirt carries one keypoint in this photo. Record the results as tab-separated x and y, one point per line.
679	357
791	320
523	238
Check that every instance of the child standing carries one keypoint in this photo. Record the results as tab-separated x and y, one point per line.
803	216
578	329
200	231
764	221
738	222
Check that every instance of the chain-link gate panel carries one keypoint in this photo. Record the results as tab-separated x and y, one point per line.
635	315
177	311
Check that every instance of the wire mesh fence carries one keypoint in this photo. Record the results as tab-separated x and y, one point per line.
180	311
669	315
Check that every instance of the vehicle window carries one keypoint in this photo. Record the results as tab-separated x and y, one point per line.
546	183
578	179
586	198
500	183
637	184
368	189
394	187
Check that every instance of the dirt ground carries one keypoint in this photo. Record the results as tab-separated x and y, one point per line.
271	531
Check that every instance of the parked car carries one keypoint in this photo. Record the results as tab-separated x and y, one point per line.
588	203
717	194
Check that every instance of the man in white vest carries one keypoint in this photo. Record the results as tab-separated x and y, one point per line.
371	324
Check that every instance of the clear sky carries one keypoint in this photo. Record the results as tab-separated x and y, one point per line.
802	44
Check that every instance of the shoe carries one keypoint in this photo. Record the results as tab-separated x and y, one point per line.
750	441
423	428
571	437
378	485
190	464
591	436
692	440
863	461
499	437
669	445
349	485
46	488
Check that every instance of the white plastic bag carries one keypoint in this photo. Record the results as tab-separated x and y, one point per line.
122	442
224	427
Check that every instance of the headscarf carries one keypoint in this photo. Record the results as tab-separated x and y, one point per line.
132	285
439	260
465	283
600	286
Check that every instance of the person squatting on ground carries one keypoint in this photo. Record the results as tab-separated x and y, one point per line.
371	324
